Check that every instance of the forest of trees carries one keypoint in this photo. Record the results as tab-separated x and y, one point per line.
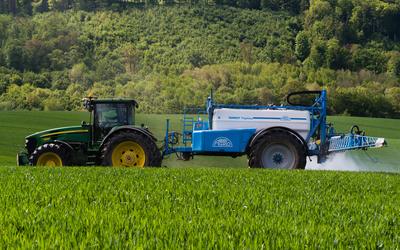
169	54
26	7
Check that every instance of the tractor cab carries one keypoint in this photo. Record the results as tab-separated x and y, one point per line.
107	114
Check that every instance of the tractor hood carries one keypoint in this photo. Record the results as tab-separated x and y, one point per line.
73	134
57	132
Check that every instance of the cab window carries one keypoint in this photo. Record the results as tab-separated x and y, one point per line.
109	115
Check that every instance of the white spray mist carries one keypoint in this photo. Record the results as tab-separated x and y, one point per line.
355	161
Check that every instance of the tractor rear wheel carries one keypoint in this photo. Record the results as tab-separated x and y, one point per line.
278	149
50	155
130	149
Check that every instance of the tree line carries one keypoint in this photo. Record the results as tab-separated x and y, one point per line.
28	7
169	57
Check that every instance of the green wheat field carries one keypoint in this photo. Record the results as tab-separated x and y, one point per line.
206	203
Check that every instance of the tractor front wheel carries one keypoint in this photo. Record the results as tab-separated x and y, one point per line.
50	155
130	149
278	149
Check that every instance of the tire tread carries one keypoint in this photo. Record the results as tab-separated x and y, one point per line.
60	150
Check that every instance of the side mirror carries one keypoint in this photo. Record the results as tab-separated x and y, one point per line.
83	123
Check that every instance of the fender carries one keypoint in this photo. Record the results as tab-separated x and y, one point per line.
261	133
75	154
141	130
64	144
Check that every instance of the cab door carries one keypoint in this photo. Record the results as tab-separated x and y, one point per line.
110	115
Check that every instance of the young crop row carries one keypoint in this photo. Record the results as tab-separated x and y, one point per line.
197	208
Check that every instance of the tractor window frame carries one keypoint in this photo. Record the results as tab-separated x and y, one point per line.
103	127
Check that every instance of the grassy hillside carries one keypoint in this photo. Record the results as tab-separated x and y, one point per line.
14	126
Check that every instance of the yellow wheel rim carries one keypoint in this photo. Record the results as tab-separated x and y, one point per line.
128	154
49	159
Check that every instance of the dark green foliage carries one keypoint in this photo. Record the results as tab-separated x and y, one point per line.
15	55
196	59
393	66
12	7
86	5
41	6
37	80
25	7
370	59
61	5
293	6
36	55
302	48
337	57
170	57
318	54
359	101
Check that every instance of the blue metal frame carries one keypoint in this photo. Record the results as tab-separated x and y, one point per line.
353	141
190	117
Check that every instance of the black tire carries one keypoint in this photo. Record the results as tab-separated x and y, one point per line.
152	153
186	156
266	151
61	151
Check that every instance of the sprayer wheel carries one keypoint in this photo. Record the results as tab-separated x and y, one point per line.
278	149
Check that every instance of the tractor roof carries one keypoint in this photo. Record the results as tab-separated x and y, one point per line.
114	101
90	101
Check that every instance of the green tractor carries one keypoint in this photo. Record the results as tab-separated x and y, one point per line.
110	139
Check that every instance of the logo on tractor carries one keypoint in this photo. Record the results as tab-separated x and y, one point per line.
222	142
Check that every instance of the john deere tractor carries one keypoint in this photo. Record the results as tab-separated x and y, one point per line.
110	139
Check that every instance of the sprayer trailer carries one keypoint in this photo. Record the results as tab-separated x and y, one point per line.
270	136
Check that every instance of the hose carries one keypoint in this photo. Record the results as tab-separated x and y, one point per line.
301	93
